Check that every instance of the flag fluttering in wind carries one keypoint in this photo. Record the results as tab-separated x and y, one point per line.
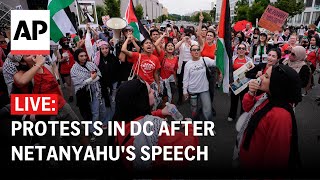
60	19
139	31
224	54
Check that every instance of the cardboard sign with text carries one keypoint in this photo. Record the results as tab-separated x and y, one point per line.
273	18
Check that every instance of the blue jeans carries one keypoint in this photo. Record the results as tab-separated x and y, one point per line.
203	101
99	111
112	98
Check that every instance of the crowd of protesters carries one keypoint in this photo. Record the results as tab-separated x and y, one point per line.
96	70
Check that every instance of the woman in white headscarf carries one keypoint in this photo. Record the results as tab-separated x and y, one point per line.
297	62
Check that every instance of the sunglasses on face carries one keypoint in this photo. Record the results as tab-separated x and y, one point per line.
239	48
195	50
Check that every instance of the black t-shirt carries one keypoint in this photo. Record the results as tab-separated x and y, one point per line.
125	67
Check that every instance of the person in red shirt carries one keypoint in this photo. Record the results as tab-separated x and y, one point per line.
145	65
268	137
44	82
313	57
181	29
238	61
66	62
168	72
134	100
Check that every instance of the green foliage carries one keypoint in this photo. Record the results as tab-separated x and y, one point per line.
213	14
186	18
256	10
290	6
100	12
241	10
139	11
112	8
161	18
242	3
242	13
207	17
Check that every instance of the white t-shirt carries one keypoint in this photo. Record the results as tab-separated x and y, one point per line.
194	78
185	54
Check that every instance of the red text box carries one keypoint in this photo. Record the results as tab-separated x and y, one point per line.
38	104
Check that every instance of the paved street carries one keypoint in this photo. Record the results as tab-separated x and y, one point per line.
221	146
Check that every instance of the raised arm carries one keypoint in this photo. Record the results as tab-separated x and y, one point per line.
136	45
177	46
125	50
158	42
23	78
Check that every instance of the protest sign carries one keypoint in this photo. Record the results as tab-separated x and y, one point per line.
273	18
87	13
240	81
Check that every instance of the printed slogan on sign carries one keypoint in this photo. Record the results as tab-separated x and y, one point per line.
273	19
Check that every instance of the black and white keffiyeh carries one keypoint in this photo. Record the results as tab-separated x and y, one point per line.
10	69
80	76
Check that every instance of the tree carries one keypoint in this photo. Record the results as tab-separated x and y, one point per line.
139	11
242	13
100	12
112	8
241	10
290	6
186	18
162	18
256	10
206	16
213	14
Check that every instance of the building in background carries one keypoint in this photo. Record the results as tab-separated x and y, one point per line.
165	11
218	9
152	9
309	15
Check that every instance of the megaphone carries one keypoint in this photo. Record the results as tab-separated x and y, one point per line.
116	24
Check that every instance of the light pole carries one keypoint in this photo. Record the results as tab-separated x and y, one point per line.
146	10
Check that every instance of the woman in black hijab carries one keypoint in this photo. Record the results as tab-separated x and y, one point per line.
134	100
268	137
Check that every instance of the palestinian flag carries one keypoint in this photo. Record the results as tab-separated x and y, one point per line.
139	31
61	19
224	50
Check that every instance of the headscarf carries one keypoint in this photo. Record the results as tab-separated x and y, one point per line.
285	90
132	101
98	54
300	56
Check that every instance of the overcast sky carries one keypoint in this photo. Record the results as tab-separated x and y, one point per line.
183	7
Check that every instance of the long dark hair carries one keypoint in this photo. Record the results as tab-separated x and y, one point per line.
132	101
285	90
76	54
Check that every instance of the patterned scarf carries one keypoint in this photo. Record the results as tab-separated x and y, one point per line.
244	126
81	73
143	140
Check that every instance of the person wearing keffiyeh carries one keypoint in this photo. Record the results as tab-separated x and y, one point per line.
268	136
85	77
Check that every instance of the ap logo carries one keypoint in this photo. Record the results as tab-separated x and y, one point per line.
30	32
